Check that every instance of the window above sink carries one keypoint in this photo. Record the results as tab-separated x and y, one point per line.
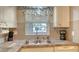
37	20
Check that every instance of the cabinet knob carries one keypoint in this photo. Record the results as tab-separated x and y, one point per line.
59	24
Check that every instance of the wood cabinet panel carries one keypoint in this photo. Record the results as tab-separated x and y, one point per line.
38	49
66	48
61	16
8	16
51	49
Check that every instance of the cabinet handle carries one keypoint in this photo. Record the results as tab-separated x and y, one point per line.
68	47
59	24
65	47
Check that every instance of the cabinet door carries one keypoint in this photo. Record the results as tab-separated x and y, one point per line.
37	49
8	16
61	16
1	13
66	48
75	23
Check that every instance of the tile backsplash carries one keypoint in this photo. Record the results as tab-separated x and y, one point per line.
1	39
54	34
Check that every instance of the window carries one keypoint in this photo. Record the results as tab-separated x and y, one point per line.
36	28
36	21
39	27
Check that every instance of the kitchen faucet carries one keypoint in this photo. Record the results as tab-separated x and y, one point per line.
37	40
48	40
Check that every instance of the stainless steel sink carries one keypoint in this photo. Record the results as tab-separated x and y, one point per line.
39	42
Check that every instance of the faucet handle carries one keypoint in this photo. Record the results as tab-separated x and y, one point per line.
47	37
43	38
27	41
37	37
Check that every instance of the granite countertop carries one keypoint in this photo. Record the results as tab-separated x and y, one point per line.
54	43
11	46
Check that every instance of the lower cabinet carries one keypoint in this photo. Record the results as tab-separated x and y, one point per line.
66	48
50	49
37	49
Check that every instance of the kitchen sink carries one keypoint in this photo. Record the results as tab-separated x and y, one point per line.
45	42
38	42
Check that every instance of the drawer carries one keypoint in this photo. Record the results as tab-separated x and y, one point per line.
66	48
38	49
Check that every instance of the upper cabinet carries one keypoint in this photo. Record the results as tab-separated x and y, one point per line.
61	16
75	23
8	16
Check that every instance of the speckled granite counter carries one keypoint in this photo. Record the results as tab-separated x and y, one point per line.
60	46
12	46
50	45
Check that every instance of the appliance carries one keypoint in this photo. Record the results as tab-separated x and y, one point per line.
62	34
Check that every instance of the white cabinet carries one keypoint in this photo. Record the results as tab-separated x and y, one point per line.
61	16
8	15
1	13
